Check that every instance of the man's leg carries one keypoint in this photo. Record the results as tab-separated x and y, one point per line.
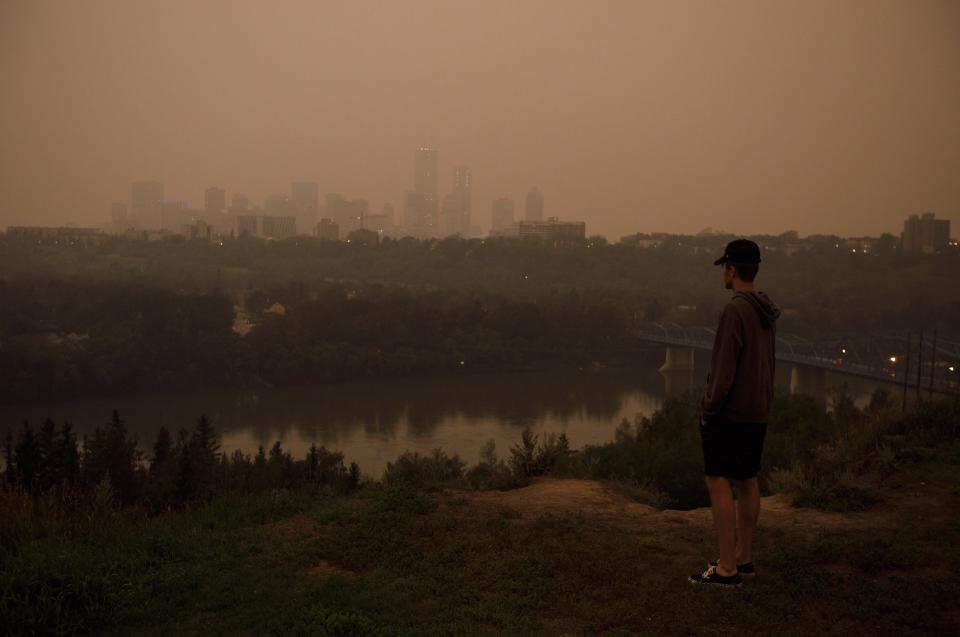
725	521
748	511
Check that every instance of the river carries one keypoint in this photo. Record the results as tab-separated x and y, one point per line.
373	422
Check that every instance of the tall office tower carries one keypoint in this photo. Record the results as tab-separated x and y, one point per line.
463	187
173	214
457	209
335	207
501	219
417	215
450	216
534	208
305	198
145	198
214	199
389	218
425	183
276	204
239	202
381	223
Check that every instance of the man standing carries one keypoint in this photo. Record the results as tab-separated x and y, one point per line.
734	413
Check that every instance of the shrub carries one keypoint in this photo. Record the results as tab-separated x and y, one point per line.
435	471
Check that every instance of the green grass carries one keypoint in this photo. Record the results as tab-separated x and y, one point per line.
409	562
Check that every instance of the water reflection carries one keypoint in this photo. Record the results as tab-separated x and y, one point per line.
374	422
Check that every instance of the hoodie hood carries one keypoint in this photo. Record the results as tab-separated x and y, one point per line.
767	309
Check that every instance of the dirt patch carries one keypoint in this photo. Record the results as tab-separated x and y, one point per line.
593	499
324	568
296	528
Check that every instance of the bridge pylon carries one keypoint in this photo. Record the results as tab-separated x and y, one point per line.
679	359
811	381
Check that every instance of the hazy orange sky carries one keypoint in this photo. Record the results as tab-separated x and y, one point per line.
840	116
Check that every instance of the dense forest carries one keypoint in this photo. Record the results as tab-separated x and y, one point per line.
134	316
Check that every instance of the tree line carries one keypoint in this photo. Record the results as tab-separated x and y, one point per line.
136	316
182	468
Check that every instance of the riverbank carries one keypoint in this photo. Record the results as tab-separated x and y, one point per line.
558	557
504	548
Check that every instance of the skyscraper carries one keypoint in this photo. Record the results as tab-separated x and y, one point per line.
214	199
173	214
463	187
239	202
305	197
457	205
417	215
425	183
534	207
277	203
349	215
145	198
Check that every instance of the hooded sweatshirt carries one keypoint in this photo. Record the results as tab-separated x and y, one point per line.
740	384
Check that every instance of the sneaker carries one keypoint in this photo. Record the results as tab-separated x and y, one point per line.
743	569
710	576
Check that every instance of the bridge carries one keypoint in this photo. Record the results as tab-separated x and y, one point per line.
927	365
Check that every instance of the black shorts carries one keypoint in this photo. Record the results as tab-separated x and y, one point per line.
732	449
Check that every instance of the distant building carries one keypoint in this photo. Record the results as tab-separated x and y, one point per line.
278	226
214	199
328	230
173	215
348	214
860	245
554	230
925	234
267	226
363	236
277	203
239	202
199	229
425	183
145	200
43	235
458	204
455	221
419	220
382	223
501	217
305	200
248	226
534	208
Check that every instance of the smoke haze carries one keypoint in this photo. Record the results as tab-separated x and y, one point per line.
832	117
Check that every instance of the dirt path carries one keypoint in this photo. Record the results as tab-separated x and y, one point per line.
595	500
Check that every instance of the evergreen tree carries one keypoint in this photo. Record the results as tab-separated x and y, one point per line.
48	470
204	448
68	456
184	482
26	456
8	469
162	451
112	455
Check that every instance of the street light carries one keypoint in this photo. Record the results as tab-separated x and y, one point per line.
893	359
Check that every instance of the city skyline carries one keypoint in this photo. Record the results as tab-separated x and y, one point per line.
635	116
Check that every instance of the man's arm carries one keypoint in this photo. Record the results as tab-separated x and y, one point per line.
723	366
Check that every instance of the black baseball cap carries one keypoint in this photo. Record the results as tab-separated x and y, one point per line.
741	251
